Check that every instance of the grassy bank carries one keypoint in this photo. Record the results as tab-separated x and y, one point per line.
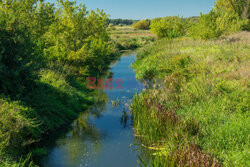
53	102
128	38
197	113
46	53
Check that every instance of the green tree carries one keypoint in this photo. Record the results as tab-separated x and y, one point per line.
239	7
142	25
206	28
79	38
17	58
170	27
45	50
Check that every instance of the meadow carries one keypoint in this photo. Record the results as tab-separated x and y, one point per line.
128	38
199	114
195	109
196	112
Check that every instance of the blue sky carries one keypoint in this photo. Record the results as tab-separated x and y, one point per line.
141	9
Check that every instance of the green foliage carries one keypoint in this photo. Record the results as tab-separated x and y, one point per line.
128	38
121	21
233	15
79	38
229	16
238	7
206	28
169	27
142	25
46	51
202	105
130	43
231	23
15	61
111	26
14	125
23	162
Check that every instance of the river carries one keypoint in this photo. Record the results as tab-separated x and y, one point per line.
103	136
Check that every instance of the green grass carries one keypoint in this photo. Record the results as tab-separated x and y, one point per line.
124	30
55	100
23	162
200	116
127	38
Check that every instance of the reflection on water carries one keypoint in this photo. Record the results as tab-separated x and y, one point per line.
124	119
102	136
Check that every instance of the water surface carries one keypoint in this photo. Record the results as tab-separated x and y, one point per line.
103	136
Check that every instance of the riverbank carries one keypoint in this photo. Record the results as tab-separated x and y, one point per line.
44	62
197	114
54	103
101	136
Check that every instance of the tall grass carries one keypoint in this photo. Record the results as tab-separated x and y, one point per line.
200	115
127	38
56	99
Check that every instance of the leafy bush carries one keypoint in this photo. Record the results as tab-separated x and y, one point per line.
230	23
142	25
206	28
169	27
237	7
45	53
227	17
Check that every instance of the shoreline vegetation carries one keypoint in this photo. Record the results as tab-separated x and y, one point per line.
46	53
198	115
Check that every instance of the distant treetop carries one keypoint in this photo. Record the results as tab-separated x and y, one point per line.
122	21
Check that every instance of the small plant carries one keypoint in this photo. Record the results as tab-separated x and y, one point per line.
115	103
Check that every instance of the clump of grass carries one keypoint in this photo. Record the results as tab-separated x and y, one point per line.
115	103
200	115
23	162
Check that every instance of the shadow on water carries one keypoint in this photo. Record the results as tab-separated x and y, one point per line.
73	140
103	136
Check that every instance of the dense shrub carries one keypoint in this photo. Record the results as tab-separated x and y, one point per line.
46	51
239	7
15	59
227	17
142	25
170	27
206	28
230	23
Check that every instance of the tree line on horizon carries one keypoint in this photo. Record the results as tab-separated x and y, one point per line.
121	21
227	16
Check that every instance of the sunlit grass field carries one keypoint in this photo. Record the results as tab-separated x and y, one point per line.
129	31
128	38
200	116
